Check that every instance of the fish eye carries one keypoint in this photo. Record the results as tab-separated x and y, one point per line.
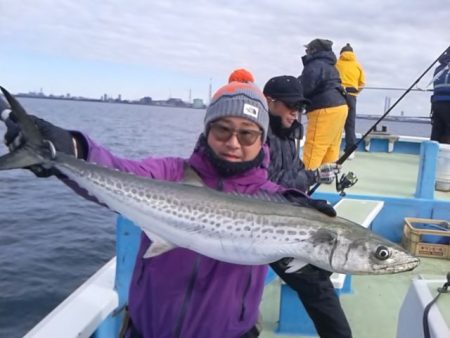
382	253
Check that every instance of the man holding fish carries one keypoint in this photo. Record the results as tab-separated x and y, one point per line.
202	259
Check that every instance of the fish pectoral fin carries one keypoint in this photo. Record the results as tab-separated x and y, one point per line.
158	246
191	177
295	265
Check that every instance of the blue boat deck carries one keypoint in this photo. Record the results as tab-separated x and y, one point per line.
384	174
372	307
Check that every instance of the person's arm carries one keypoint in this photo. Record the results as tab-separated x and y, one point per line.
156	168
77	144
311	79
294	177
298	177
362	79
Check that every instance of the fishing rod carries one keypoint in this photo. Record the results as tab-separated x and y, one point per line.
347	153
394	88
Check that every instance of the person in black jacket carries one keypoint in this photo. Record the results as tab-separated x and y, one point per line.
440	101
313	285
328	109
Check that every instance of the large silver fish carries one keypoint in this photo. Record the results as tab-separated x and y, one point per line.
228	227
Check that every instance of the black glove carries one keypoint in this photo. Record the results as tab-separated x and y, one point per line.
296	197
61	139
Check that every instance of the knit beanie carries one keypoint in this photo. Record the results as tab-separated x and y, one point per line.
241	75
238	99
347	48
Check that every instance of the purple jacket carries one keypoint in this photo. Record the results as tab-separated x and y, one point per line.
182	293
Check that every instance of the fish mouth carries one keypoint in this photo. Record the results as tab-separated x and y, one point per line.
409	265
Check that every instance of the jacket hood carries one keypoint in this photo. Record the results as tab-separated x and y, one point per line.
347	56
326	56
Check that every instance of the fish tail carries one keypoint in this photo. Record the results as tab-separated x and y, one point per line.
34	150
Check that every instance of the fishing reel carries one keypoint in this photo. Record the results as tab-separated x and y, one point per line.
346	181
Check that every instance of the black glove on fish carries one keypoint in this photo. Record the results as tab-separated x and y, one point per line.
61	139
296	197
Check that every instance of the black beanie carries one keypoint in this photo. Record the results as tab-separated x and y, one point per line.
347	48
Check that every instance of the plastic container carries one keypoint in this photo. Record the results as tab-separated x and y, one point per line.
443	168
427	237
436	239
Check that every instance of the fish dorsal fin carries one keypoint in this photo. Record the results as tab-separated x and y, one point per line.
158	246
295	265
266	196
263	196
191	177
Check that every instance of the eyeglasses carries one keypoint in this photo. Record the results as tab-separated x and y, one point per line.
223	133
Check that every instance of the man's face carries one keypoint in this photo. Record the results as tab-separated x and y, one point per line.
235	139
287	113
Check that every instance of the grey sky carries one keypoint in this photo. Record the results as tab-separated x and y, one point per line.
172	46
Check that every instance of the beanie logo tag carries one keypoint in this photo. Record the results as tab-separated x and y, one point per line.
250	110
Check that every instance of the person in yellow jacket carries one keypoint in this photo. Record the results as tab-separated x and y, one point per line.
327	111
353	79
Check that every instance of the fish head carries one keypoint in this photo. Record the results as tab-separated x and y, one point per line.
369	253
356	250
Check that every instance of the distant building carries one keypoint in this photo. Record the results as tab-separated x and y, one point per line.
176	102
198	103
146	100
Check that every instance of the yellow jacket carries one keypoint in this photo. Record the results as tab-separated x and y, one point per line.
351	73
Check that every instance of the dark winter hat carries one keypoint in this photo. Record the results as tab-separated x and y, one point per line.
318	45
347	48
238	99
285	88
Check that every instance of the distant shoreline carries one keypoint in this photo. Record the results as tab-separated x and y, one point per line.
178	104
160	103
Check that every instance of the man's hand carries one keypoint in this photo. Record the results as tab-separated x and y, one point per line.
327	172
